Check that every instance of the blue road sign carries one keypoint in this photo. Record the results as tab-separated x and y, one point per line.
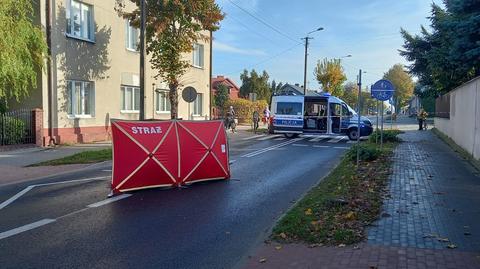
382	90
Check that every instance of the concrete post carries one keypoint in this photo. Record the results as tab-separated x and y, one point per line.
37	119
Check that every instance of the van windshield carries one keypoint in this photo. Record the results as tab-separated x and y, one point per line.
289	108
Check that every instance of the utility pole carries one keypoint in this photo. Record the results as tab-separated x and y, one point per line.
142	60
305	68
359	114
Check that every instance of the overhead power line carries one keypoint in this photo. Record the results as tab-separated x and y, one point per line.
264	22
266	60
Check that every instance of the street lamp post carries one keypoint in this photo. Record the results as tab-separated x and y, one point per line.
306	55
142	60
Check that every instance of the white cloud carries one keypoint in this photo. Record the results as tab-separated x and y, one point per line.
218	46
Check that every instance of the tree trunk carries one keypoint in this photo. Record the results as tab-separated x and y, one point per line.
173	95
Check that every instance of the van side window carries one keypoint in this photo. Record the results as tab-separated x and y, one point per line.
345	110
289	108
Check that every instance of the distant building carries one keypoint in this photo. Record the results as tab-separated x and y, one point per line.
296	89
233	89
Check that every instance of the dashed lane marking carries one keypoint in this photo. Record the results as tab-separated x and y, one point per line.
25	228
109	200
253	137
318	146
299	145
268	137
341	147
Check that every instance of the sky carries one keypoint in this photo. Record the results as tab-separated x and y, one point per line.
368	30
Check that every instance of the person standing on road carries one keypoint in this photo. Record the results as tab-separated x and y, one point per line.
421	117
266	115
256	120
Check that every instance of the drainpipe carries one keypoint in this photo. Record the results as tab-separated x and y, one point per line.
210	78
48	18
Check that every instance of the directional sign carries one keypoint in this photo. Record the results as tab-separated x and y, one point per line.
382	90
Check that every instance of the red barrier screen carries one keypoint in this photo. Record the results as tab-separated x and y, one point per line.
148	154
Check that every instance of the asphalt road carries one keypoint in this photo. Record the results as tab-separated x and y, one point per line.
206	225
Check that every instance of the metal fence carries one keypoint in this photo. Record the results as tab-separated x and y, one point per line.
17	127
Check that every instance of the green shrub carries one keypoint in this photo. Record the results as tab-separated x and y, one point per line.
368	152
12	131
388	135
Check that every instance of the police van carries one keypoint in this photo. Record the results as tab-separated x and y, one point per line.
324	114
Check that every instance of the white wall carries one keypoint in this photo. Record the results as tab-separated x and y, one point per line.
464	123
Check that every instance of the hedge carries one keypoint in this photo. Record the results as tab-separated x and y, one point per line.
244	108
12	130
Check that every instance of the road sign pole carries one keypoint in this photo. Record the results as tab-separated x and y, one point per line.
381	132
359	115
376	130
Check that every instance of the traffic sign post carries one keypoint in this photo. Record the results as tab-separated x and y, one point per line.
189	94
383	90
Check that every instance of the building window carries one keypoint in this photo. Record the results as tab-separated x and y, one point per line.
132	36
130	99
80	20
163	102
81	98
198	55
198	105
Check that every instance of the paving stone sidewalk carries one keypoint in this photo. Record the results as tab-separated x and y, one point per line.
433	203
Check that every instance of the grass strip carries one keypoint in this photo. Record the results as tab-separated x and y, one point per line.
85	157
338	210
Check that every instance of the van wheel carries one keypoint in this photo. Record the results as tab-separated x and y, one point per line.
353	134
291	135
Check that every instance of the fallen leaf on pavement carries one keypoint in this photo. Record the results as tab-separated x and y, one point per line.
350	215
278	247
342	245
315	245
283	235
451	246
262	260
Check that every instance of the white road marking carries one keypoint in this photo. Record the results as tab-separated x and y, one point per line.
107	170
336	139
341	147
268	137
318	138
70	181
317	146
15	197
258	152
351	141
21	193
110	200
280	138
25	228
299	145
253	137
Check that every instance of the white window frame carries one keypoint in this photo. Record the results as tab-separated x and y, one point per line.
90	23
166	101
124	89
198	59
198	105
72	103
129	42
